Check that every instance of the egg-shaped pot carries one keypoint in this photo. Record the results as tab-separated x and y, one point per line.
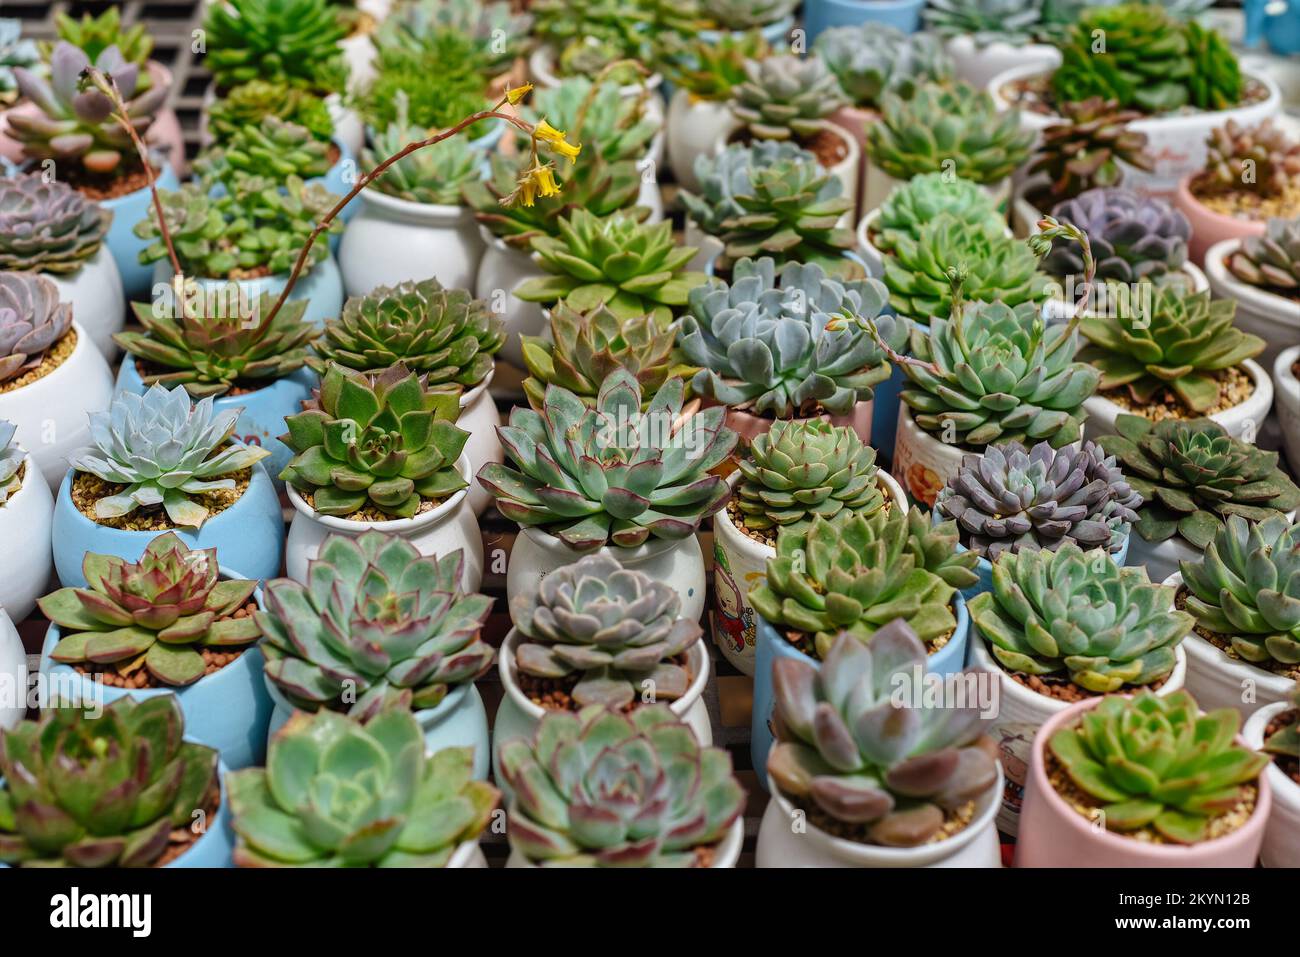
13	673
479	417
726	854
1282	836
504	269
321	286
1287	392
249	535
692	127
98	303
125	246
26	522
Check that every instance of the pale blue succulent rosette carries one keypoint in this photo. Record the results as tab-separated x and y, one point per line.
819	15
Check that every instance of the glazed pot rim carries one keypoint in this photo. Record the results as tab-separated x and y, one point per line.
1284	788
470	395
129	367
1284	380
429	213
80	346
395	526
650	548
726	849
1279	308
1258	376
456	693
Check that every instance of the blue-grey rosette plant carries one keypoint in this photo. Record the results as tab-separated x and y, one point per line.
772	347
731	174
871	58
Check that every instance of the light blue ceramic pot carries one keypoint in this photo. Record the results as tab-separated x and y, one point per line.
322	285
459	721
248	536
819	15
228	710
262	420
770	646
123	243
884	413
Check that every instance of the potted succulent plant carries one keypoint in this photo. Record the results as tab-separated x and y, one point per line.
156	463
663	798
1011	499
408	809
1192	475
1261	273
789	474
125	785
1183	77
1166	352
398	629
50	372
584	37
51	229
727	18
1286	381
1247	180
953	129
248	104
90	151
852	574
174	622
820	15
26	512
986	37
379	451
880	774
1245	650
1272	729
631	479
1060	626
1197	797
13	671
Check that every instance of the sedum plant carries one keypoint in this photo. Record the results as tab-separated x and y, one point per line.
786	97
1084	151
767	345
1077	615
161	611
1271	261
710	69
376	626
1010	499
337	792
48	227
1245	588
869	59
889	771
801	469
603	789
273	148
381	441
248	104
74	126
1184	341
163	450
614	261
436	174
1133	237
922	199
619	127
951	129
430	98
991	373
445	336
496	33
1159	763
32	322
584	349
14	52
1192	475
1013	22
614	631
1259	159
101	791
612	474
840	577
288	41
11	460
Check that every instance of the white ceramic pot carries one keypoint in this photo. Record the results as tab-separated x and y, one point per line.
978	63
50	413
726	855
680	563
692	130
391	240
922	464
442	530
98	302
1282	837
13	674
479	417
1177	142
468	856
650	196
709	247
504	269
359	54
1242	421
348	128
1218	681
1021	712
740	564
786	839
1287	391
1273	318
26	520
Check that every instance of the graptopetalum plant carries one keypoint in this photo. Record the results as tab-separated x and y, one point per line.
377	625
1084	151
402	808
612	474
932	544
1246	588
603	789
871	58
436	175
609	629
1011	499
786	97
1013	22
842	577
1159	763
1132	236
161	449
730	174
1192	475
1076	615
891	771
1271	261
32	321
86	789
48	227
161	611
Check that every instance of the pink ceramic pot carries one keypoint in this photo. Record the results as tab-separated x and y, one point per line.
854	120
749	427
1053	834
1209	227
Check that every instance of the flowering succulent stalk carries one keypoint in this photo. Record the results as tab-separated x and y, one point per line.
435	176
911	205
891	771
404	809
619	127
1271	261
393	629
32	321
1132	236
11	460
870	58
786	97
48	227
634	790
1260	159
289	41
1084	151
1159	763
